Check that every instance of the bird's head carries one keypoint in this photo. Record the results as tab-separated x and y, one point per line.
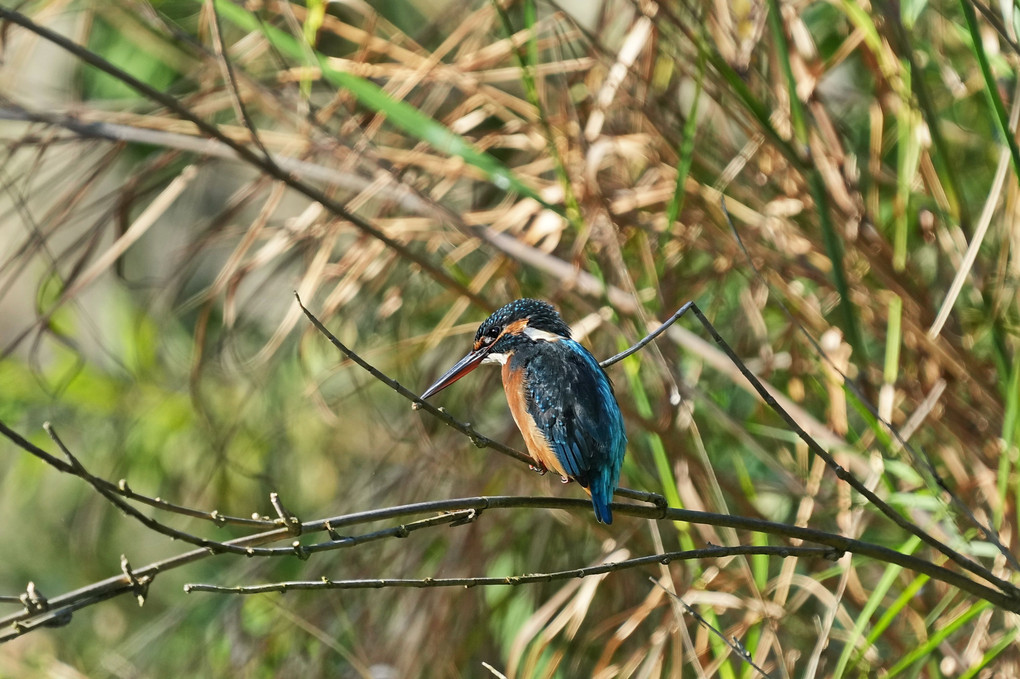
524	320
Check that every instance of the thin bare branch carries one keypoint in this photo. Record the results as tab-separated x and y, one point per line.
770	400
733	643
80	471
514	580
648	338
842	474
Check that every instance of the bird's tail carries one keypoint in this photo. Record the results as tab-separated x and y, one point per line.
601	496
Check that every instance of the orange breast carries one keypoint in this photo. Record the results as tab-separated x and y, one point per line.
534	439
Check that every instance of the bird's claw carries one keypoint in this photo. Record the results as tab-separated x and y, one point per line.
538	467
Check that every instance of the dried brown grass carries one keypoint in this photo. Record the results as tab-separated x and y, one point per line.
217	248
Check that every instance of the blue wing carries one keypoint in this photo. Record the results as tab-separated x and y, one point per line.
572	402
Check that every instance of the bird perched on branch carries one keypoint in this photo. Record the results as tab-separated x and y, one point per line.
561	399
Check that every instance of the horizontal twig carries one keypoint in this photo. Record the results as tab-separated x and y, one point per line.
513	580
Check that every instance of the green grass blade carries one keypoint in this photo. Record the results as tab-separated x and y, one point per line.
874	601
816	185
908	157
891	614
1010	442
937	637
667	481
686	153
1001	645
1000	118
834	248
668	485
894	329
797	117
310	30
528	62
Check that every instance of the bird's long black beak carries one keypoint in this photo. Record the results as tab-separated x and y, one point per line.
461	368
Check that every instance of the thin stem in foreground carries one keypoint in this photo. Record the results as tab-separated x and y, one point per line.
733	643
513	580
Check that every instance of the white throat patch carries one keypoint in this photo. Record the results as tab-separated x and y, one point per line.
541	335
496	358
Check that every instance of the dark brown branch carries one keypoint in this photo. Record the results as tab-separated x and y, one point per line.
79	470
440	413
968	564
133	580
843	475
648	338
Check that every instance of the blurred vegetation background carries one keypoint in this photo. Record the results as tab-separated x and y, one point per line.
456	156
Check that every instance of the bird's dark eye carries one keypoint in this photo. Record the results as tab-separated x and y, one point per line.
490	335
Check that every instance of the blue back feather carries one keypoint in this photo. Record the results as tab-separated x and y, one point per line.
572	401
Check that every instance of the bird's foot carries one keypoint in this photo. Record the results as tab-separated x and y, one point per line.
564	479
538	467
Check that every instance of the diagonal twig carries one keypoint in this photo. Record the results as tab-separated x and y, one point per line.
921	459
733	643
465	428
843	475
122	488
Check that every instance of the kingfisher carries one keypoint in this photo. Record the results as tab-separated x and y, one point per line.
559	396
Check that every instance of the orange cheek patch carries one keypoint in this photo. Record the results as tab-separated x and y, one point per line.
516	328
